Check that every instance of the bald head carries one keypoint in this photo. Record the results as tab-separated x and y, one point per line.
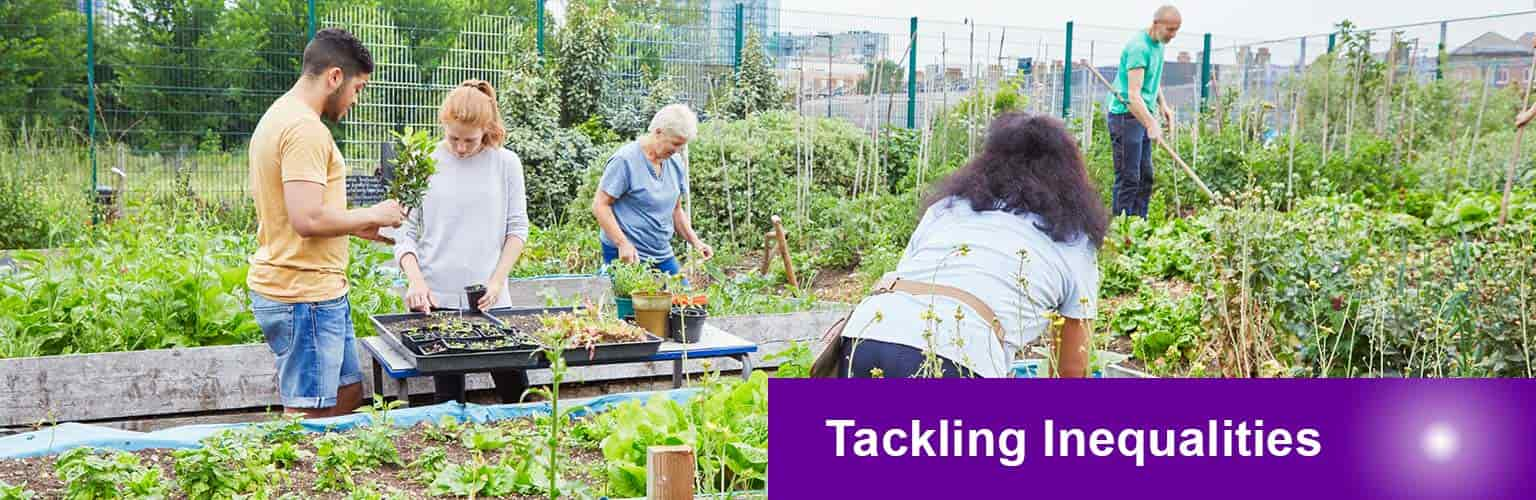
1165	23
1167	14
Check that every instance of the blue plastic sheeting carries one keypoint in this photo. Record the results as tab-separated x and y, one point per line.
66	436
1031	368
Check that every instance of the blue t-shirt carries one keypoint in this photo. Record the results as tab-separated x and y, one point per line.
645	200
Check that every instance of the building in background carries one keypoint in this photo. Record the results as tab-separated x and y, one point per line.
1492	55
758	16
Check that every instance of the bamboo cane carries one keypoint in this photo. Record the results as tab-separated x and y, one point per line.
1163	142
1509	172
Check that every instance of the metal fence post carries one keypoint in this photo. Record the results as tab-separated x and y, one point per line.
1440	54
311	19
1066	78
1205	74
1332	39
538	17
90	83
740	39
912	76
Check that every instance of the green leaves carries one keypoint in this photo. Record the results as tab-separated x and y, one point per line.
727	425
89	475
414	166
474	480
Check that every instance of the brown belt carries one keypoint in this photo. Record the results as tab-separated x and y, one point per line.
909	287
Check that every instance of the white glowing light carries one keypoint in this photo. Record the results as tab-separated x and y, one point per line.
1440	442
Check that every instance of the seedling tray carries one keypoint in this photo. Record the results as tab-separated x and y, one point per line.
518	357
451	359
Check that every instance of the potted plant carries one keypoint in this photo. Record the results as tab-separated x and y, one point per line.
652	302
626	277
685	323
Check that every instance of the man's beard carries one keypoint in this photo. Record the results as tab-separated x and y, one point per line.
333	109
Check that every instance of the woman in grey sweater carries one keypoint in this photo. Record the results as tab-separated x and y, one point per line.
472	223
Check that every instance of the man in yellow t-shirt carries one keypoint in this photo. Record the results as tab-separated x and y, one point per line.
298	277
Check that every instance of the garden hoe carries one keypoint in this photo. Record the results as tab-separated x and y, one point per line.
1162	141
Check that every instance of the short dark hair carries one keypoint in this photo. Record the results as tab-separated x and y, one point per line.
336	48
1031	164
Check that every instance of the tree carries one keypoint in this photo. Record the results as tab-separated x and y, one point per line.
553	157
753	88
889	75
259	46
583	46
161	72
42	59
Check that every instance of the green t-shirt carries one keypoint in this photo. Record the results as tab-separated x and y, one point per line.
1141	52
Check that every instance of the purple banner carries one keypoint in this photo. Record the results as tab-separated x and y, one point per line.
1186	439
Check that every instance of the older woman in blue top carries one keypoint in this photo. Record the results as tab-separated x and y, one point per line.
639	200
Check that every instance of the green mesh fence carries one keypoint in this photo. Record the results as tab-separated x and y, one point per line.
179	85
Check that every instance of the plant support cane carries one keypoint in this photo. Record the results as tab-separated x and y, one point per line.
1509	172
1161	141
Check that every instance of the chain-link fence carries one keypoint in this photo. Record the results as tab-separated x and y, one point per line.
163	101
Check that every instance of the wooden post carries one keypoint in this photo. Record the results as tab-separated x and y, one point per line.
789	267
768	240
669	473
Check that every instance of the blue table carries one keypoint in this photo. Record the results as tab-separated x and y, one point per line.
389	360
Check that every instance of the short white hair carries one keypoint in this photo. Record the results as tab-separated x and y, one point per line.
676	120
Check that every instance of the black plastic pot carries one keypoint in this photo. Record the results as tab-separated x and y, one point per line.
686	324
475	292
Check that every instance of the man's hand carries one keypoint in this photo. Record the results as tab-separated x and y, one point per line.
1167	115
705	251
493	288
1524	118
387	213
419	298
628	254
372	234
1155	133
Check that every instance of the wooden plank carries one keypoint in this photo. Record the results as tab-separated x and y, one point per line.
172	381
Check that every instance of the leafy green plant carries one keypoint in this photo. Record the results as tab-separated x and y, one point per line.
426	466
794	361
413	167
628	277
483	439
90	475
17	492
340	457
726	425
474	480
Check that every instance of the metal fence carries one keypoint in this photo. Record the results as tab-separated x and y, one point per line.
169	99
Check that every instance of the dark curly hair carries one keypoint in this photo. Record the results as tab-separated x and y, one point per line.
1031	164
336	48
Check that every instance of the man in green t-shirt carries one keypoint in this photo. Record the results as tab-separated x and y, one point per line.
1132	129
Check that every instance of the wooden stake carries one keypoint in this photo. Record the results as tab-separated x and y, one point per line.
789	267
1509	172
669	473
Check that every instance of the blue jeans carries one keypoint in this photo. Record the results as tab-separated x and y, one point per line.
315	348
1133	165
669	266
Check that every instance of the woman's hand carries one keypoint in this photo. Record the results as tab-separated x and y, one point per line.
705	251
628	254
493	288
419	298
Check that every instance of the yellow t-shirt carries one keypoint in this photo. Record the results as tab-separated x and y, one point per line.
292	144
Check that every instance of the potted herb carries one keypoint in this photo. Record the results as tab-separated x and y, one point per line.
626	277
652	302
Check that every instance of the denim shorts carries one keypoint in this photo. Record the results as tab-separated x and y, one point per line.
315	348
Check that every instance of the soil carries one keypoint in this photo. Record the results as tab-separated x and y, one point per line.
526	323
580	464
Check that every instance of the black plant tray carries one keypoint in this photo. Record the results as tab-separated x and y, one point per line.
451	360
